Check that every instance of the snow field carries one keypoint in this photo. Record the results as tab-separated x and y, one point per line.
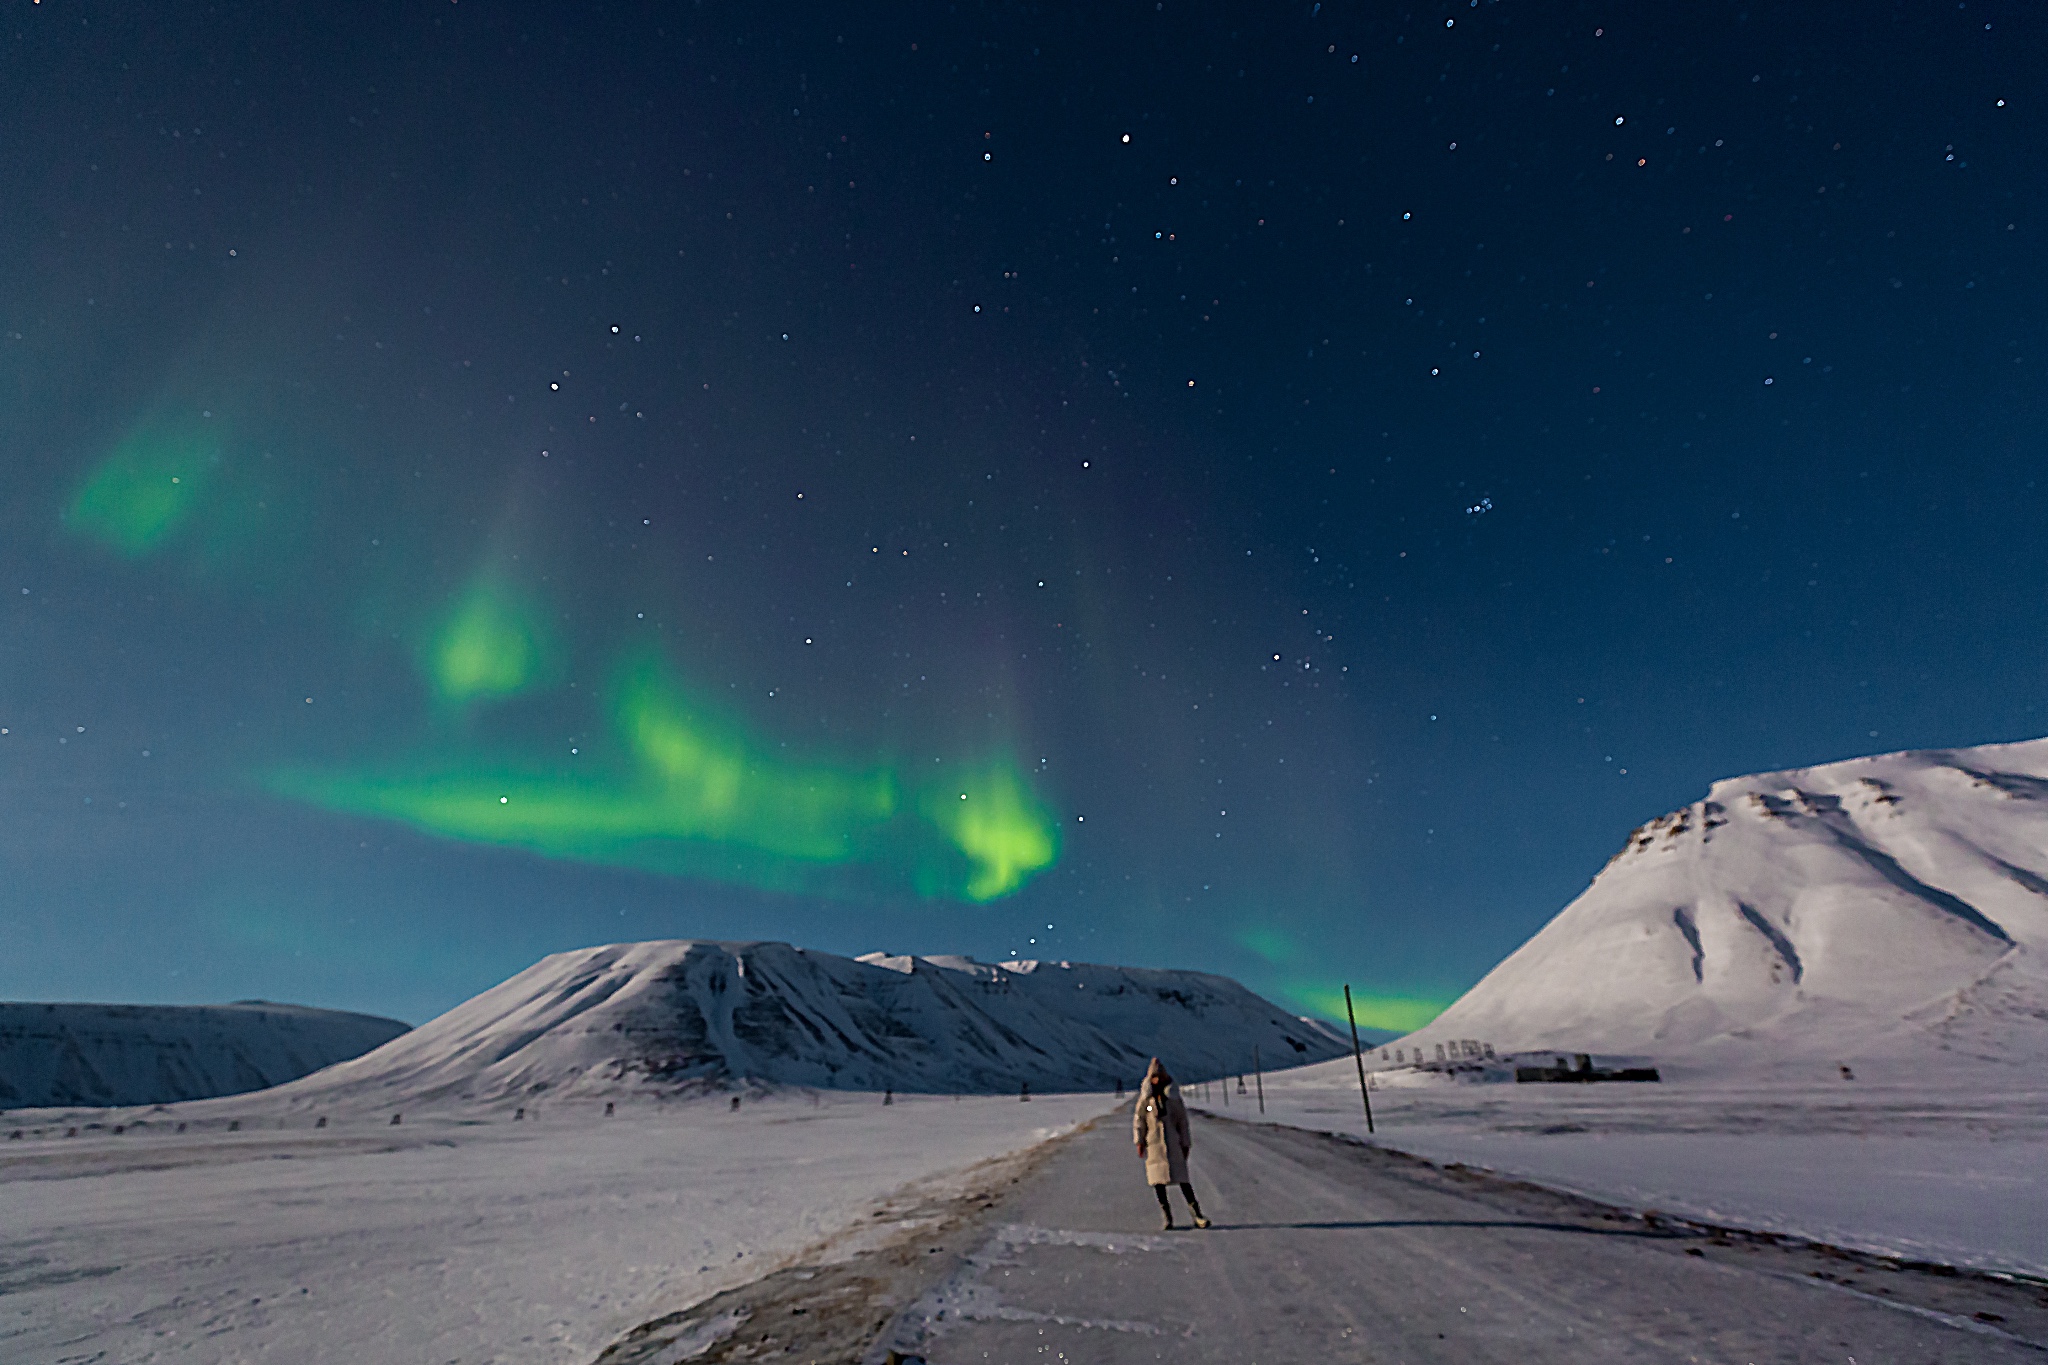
451	1240
1941	1172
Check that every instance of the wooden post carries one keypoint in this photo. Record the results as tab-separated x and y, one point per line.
1364	1092
1259	1078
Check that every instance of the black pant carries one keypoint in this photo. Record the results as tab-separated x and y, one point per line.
1187	1192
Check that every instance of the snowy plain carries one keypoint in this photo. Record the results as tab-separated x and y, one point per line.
447	1239
1948	1170
508	1218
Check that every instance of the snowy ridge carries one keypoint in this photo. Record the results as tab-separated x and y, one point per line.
684	1015
1885	907
59	1054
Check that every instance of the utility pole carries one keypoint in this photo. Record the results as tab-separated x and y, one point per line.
1259	1078
1364	1091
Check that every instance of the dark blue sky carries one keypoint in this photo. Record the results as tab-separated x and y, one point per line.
1323	475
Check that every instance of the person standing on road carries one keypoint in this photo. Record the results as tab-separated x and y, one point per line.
1159	1125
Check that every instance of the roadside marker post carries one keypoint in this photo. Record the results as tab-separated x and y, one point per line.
1364	1091
1259	1078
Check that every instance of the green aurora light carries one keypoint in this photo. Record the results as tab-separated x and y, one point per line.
490	645
1316	994
698	797
686	794
137	498
1399	1013
997	825
706	783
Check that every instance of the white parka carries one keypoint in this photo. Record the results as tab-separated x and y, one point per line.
1159	1127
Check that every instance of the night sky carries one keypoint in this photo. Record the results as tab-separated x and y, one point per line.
1279	490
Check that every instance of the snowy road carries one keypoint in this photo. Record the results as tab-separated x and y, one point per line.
1325	1251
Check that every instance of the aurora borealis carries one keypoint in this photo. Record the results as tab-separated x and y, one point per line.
687	792
698	800
142	493
1278	492
489	645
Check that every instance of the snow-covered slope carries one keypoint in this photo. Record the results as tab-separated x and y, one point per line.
681	1014
1880	907
52	1054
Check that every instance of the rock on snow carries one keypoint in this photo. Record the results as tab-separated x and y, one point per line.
680	1015
103	1055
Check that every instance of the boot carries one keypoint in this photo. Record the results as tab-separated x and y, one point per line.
1166	1221
1187	1192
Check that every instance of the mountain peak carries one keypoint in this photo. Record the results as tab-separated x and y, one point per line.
1876	905
677	1016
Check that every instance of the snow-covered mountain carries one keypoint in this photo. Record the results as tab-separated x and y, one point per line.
680	1015
1870	908
59	1054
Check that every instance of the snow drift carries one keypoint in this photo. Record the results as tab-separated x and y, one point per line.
59	1054
684	1015
1869	908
